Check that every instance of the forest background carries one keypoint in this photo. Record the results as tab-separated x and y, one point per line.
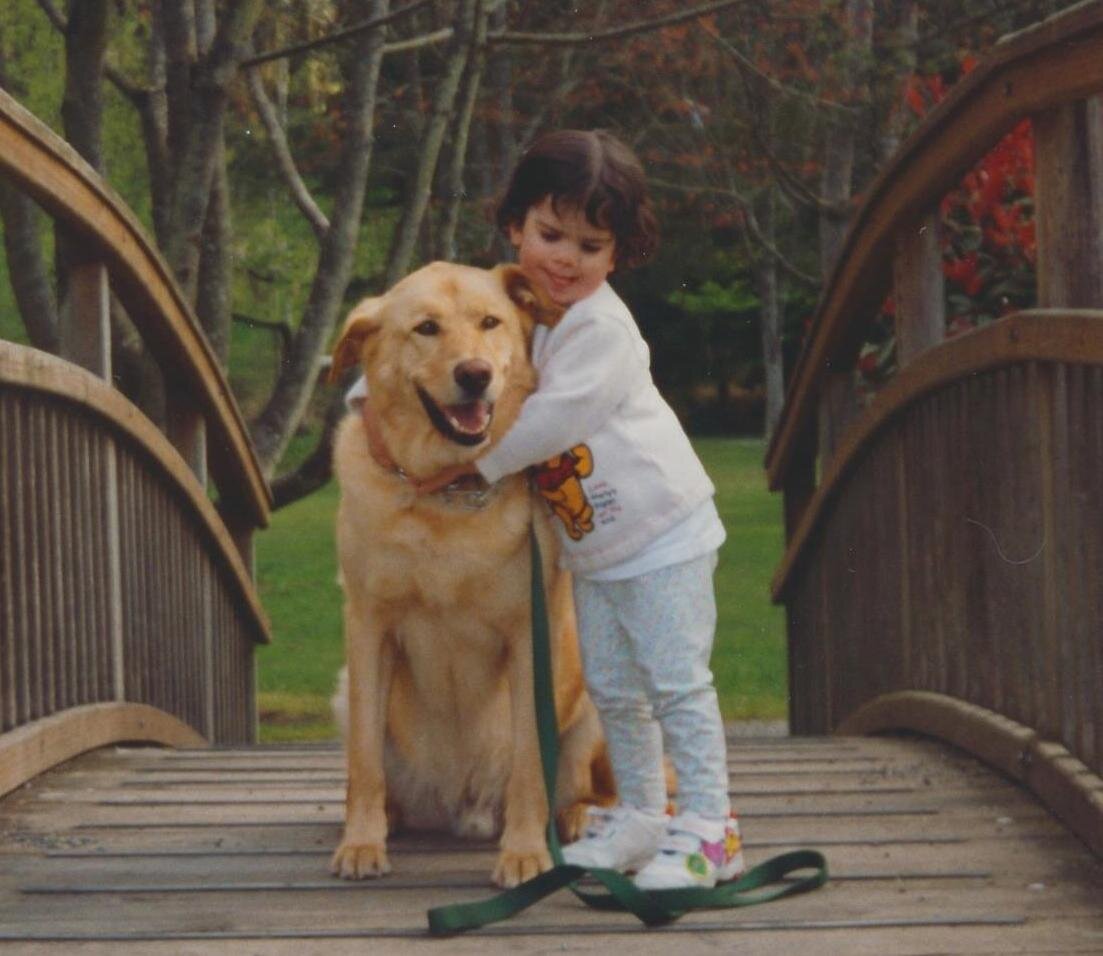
290	157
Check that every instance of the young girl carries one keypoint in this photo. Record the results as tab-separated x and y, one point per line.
638	524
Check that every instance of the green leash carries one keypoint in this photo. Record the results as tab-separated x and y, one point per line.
653	908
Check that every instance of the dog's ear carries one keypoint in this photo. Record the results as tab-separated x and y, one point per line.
529	297
362	321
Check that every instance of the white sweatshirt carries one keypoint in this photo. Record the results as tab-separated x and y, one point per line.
639	477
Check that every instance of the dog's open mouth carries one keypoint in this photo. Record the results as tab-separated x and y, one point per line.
465	423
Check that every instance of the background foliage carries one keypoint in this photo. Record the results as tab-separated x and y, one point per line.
760	123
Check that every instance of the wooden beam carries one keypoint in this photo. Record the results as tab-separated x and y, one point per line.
29	750
1062	782
45	167
918	289
28	368
1068	149
1055	63
1071	336
85	319
186	430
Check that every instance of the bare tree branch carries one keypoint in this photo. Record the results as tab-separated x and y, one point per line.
317	468
416	43
789	184
282	329
502	38
295	382
429	149
131	90
53	15
747	210
642	26
285	162
368	25
774	84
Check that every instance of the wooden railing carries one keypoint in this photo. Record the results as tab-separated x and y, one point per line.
127	606
944	562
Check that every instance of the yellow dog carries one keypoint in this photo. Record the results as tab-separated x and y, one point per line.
437	702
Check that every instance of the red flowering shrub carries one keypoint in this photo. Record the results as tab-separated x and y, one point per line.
987	237
988	240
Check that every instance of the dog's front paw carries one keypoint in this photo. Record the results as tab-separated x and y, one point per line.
514	867
360	861
573	821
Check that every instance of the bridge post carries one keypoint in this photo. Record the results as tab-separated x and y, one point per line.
85	319
86	341
1068	147
918	289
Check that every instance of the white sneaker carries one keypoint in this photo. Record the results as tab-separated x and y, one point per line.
621	839
694	852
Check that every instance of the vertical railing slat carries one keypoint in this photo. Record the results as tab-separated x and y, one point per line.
918	286
9	593
1069	204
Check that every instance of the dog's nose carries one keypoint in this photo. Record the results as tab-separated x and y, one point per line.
473	376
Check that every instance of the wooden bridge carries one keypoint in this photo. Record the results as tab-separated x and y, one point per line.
943	581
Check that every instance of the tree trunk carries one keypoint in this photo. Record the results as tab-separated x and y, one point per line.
444	100
294	386
901	64
770	314
153	111
30	279
454	180
81	109
212	301
86	34
501	76
27	271
838	165
195	127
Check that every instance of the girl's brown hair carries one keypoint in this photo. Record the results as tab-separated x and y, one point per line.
595	172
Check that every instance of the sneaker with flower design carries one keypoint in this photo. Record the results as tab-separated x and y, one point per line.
695	851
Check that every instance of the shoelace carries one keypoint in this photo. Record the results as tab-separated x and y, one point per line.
680	841
601	821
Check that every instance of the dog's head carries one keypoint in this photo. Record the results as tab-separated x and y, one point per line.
446	355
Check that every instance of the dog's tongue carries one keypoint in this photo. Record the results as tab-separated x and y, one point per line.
471	418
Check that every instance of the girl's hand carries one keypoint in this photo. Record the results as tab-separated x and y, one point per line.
442	479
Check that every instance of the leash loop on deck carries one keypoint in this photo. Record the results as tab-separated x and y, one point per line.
770	880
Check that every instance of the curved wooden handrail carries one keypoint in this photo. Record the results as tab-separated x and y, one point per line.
43	165
31	369
1061	781
1056	62
33	748
1072	336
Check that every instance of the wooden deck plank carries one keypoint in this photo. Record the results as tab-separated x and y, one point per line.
135	850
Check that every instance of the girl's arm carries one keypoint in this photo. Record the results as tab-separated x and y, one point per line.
592	366
591	369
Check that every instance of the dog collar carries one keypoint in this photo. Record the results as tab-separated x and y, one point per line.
470	492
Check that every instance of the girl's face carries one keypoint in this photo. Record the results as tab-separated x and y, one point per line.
563	252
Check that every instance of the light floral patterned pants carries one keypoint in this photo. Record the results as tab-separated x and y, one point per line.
646	643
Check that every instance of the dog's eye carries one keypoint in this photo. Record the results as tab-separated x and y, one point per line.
490	322
428	327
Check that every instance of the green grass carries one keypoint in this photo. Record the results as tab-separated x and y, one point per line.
297	574
748	659
297	571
